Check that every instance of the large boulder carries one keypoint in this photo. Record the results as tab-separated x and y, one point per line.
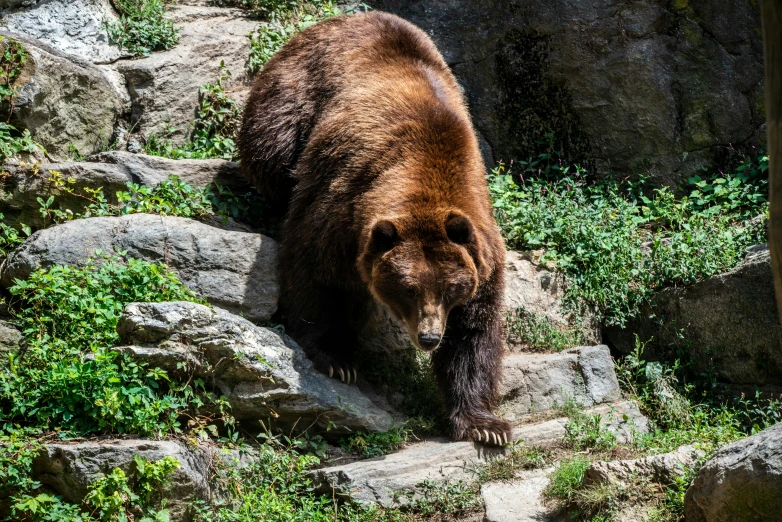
742	482
70	468
75	27
729	323
164	86
618	86
263	374
111	171
534	383
236	271
65	102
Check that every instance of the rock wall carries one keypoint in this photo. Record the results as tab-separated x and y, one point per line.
663	86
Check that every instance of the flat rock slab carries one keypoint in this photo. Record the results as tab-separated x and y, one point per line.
69	468
520	500
535	383
263	373
663	468
386	480
236	271
111	171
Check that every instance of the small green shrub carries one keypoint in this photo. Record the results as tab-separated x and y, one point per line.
285	20
567	479
12	62
539	333
142	27
214	130
520	457
259	8
376	444
68	377
586	432
616	245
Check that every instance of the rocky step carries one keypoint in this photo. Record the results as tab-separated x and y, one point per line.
521	499
388	480
111	171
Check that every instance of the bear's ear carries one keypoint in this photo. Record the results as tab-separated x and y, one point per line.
459	229
383	237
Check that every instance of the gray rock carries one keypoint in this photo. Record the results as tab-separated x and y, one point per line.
111	171
729	321
534	383
69	468
164	86
11	339
75	27
64	102
520	500
262	372
533	286
742	482
236	271
386	480
662	469
616	83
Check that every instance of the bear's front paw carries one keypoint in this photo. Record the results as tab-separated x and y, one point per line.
487	430
346	374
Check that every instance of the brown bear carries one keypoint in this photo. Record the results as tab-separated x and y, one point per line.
358	128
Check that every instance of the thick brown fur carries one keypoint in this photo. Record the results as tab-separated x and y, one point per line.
358	128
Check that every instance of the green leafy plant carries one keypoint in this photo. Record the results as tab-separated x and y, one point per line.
12	62
143	27
587	432
68	377
258	8
519	457
213	131
567	479
376	444
537	332
285	20
616	245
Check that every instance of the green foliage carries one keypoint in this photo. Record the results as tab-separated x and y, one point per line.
376	444
12	62
67	377
259	8
142	27
171	197
618	246
285	20
445	498
112	498
213	131
10	237
567	479
586	432
539	333
519	457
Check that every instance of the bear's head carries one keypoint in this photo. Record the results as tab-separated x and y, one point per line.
421	268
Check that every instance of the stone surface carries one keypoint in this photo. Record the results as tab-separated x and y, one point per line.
729	321
236	271
520	500
75	27
533	383
662	469
69	468
621	86
164	86
742	482
262	372
64	102
385	480
11	339
533	286
109	170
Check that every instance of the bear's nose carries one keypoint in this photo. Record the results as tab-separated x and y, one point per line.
428	341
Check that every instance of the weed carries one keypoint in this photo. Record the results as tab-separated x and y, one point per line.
285	20
567	479
376	444
618	246
586	432
519	457
12	62
214	130
539	333
142	27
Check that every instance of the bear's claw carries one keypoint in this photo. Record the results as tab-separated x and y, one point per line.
345	374
489	437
